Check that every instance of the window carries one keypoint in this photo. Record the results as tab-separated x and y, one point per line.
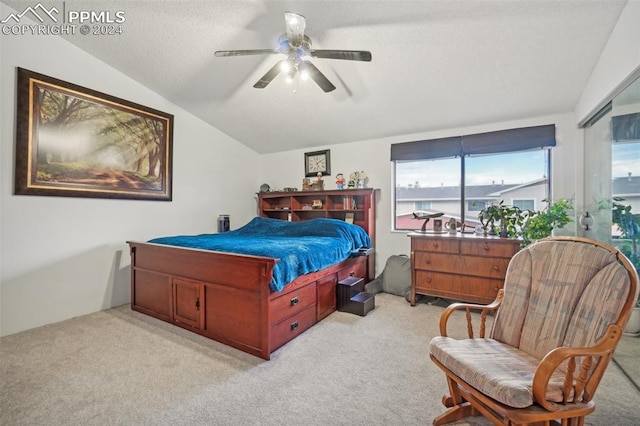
422	205
482	173
524	204
475	205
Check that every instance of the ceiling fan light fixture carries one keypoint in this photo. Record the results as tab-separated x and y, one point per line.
296	46
285	67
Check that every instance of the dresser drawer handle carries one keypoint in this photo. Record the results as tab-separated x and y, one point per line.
496	268
429	279
435	245
427	261
486	248
294	301
294	325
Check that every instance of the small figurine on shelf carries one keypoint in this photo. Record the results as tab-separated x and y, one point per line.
352	181
318	185
340	181
362	179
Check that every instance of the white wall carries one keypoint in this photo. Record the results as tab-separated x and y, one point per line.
374	158
619	59
62	257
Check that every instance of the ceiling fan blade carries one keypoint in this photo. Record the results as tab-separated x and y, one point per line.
269	76
318	77
245	52
295	25
348	55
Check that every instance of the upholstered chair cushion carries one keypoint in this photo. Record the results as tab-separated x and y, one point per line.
553	290
496	369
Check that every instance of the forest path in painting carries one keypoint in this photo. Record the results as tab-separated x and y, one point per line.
82	174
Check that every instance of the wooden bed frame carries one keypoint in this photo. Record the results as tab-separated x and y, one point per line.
227	297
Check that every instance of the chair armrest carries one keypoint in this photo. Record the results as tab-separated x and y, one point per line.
578	387
468	307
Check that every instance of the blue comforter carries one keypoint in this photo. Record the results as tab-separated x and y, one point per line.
301	247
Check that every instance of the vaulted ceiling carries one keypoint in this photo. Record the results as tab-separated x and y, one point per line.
435	64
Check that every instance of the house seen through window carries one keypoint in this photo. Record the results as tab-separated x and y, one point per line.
435	186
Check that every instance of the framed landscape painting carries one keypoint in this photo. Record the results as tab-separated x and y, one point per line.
76	142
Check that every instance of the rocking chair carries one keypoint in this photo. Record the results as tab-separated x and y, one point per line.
557	322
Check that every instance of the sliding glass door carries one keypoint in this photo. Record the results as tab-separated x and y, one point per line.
612	174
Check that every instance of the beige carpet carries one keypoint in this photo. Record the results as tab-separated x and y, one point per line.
118	367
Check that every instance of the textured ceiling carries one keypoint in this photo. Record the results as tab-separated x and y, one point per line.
436	64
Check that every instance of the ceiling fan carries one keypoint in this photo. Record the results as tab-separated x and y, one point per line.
296	45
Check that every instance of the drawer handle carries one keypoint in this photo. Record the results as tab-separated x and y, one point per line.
294	325
496	268
294	301
429	279
486	247
427	261
435	245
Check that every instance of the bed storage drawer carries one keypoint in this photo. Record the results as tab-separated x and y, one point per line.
290	327
358	268
293	302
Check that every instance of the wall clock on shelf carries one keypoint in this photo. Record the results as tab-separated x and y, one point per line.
317	161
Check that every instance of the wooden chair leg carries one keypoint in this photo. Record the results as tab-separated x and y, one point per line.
458	408
455	413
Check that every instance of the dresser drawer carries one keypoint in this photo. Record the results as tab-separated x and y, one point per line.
489	248
290	327
490	267
441	245
456	287
293	302
425	260
428	282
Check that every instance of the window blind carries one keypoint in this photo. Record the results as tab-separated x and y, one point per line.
626	127
510	140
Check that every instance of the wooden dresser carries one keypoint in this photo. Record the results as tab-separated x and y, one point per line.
462	267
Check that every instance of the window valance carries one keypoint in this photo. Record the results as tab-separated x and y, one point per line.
519	139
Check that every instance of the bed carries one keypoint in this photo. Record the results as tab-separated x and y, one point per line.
254	288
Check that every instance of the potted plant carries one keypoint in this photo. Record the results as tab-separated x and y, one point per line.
503	220
628	225
513	222
540	224
632	328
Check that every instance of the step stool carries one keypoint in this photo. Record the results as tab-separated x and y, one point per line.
351	298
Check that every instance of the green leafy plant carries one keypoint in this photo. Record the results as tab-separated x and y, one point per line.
541	224
503	220
628	224
513	222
